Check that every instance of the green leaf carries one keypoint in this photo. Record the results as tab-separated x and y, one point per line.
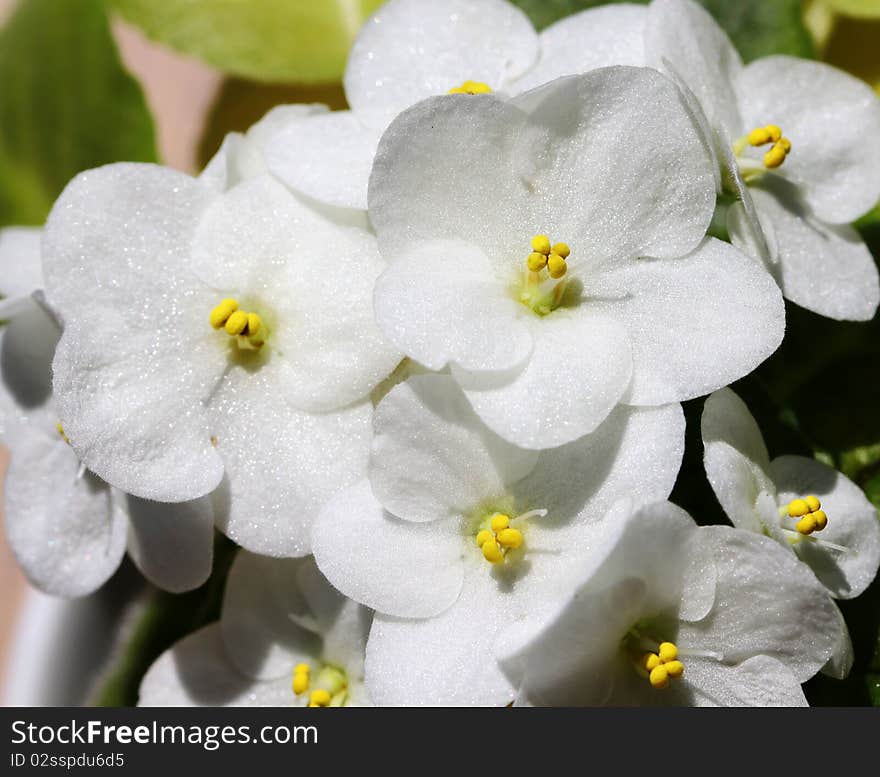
757	27
862	9
267	40
66	104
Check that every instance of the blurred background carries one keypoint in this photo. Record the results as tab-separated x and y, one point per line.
86	82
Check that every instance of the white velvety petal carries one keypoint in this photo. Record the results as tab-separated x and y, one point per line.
735	457
841	661
695	323
766	602
282	464
759	681
327	157
310	278
635	453
852	523
196	672
410	570
63	529
243	156
22	270
684	34
132	366
579	368
833	122
443	303
597	37
26	351
443	170
823	267
172	544
432	457
413	49
615	165
267	624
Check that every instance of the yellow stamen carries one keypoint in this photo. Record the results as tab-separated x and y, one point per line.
561	249
662	665
319	698
222	312
536	261
668	651
541	244
491	552
471	87
650	661
236	323
556	266
674	668
761	136
499	522
483	537
510	538
301	679
60	429
808	511
659	677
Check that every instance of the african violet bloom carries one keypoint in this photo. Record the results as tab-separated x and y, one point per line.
799	147
285	638
516	234
210	335
413	49
812	510
67	528
667	613
458	534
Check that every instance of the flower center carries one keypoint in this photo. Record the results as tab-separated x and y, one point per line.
542	284
329	688
247	328
500	537
808	514
772	136
661	666
471	87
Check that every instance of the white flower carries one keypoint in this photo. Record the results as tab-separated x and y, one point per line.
669	613
799	144
814	511
413	49
161	398
67	528
469	197
285	638
457	534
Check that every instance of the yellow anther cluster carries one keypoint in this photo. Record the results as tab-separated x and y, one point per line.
808	510
248	328
301	678
663	665
471	87
550	256
60	429
319	698
761	136
498	538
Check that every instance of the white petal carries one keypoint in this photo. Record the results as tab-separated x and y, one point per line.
635	453
444	304
852	523
20	261
26	351
683	34
766	602
410	570
825	268
433	457
282	464
266	617
841	661
833	122
579	369
196	672
328	157
63	528
695	324
597	37
130	370
735	458
311	277
759	681
172	544
243	156
412	49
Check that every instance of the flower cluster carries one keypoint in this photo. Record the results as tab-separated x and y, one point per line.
423	359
